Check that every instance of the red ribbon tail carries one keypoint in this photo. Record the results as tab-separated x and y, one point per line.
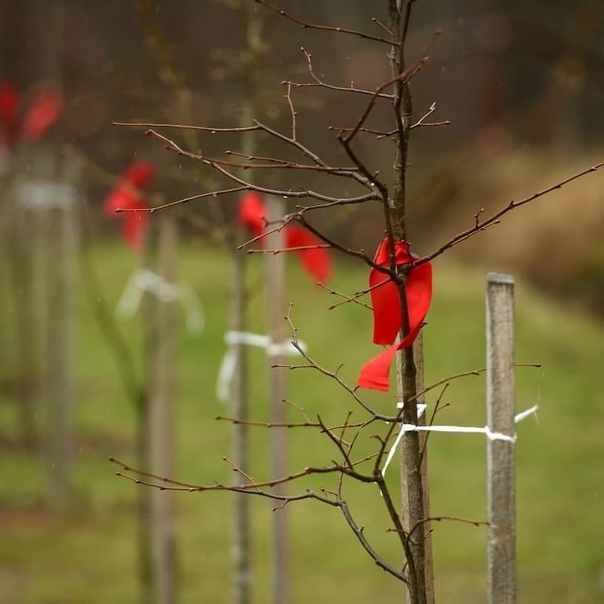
252	213
317	263
375	374
314	259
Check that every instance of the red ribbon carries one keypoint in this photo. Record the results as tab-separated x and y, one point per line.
387	319
315	260
128	195
9	109
44	111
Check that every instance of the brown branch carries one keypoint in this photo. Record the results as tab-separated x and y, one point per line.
481	225
422	120
358	532
321	84
292	110
477	523
355	296
184	486
400	78
184	200
209	129
396	521
312	364
384	442
275	163
463	374
383	26
171	145
293	425
347	299
328	28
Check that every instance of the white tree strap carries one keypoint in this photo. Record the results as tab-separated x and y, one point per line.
47	194
421	408
145	280
459	429
229	360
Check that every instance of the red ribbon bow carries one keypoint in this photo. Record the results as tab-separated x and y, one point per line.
128	195
43	112
315	260
387	320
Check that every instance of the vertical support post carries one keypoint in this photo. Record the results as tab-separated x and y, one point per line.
275	288
162	399
24	241
60	255
5	253
501	491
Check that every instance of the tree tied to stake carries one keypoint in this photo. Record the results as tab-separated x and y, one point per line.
400	287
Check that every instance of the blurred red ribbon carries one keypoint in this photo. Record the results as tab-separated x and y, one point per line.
128	195
387	320
43	112
315	260
9	113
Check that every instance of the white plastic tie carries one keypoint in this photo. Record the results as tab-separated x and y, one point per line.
455	429
229	360
47	194
145	280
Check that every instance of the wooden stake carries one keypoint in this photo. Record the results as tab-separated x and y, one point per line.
24	242
58	205
162	400
500	453
275	288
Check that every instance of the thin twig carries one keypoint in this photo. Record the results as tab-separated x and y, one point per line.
481	225
328	28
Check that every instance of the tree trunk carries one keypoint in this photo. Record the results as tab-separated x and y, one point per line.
241	536
413	478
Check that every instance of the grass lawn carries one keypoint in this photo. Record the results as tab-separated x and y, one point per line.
89	554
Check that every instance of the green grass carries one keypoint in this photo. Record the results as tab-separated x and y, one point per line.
89	554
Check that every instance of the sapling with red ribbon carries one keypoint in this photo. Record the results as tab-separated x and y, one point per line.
400	283
387	311
129	195
313	257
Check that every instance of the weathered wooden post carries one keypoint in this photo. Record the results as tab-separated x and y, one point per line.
275	293
25	237
56	203
161	393
501	490
5	252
